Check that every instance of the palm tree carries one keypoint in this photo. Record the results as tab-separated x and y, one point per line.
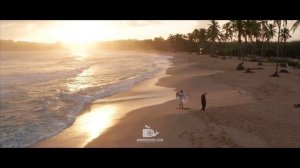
190	42
228	34
247	33
284	35
191	37
263	37
223	39
278	23
238	27
171	40
202	37
255	33
295	25
195	35
180	42
268	32
213	33
263	25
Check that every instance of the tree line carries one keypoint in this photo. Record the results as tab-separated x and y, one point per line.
235	38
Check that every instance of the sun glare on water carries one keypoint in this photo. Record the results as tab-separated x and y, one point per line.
79	50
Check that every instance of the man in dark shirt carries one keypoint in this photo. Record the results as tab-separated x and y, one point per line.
203	101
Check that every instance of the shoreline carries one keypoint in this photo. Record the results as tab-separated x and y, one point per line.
111	104
243	110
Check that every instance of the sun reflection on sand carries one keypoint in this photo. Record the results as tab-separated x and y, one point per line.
96	122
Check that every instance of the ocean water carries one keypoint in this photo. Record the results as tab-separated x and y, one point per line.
42	92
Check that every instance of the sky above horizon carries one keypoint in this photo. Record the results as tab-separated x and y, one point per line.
93	30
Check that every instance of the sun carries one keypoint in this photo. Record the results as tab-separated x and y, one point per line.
79	31
78	36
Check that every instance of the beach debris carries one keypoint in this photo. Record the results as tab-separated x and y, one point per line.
259	63
257	68
214	56
284	71
240	67
249	71
296	105
275	75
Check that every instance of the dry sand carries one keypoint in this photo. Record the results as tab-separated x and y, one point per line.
243	110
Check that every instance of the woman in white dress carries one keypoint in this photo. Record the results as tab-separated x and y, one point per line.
182	98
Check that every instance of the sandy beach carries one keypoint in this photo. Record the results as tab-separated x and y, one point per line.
243	109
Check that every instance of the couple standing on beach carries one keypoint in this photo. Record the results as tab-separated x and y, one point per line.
184	97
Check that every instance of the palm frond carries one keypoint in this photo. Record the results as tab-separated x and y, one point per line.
295	25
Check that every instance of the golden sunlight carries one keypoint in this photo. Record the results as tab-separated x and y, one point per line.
78	50
78	31
96	122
